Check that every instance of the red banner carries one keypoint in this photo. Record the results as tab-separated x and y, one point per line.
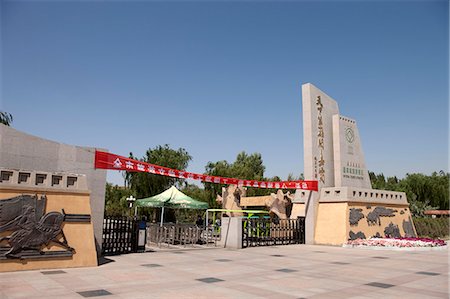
104	160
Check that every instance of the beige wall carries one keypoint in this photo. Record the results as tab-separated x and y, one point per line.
331	223
403	214
80	236
298	210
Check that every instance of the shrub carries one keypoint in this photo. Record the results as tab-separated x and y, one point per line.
432	227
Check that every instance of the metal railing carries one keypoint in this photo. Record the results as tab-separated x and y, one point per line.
181	234
266	232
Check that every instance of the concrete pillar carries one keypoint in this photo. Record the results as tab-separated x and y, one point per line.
311	207
231	232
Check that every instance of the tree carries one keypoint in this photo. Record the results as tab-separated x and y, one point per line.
424	192
145	184
6	118
115	200
247	167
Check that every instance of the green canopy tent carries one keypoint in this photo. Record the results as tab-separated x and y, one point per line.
171	198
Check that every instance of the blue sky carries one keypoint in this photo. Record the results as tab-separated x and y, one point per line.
217	78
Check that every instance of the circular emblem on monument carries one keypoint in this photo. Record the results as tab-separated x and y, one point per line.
349	135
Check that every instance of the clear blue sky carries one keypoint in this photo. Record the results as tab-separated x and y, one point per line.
217	78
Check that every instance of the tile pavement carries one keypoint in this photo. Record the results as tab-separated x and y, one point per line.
295	271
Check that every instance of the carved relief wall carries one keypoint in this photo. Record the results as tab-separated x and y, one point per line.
45	227
380	221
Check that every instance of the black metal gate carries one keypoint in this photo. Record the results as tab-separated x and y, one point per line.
120	235
268	232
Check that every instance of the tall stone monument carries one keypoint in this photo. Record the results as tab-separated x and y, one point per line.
333	156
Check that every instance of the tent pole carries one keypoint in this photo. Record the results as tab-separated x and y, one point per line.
162	216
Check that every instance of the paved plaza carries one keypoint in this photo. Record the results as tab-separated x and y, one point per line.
295	271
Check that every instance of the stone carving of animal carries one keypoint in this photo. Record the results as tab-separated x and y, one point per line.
355	216
374	216
28	227
279	204
230	199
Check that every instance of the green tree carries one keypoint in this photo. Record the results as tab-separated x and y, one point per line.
145	184
6	118
247	167
115	200
424	192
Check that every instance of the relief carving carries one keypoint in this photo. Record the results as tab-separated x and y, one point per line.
358	235
373	217
355	216
408	229
392	231
28	228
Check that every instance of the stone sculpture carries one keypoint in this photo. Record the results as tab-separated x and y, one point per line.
373	217
358	235
23	217
230	199
392	231
280	204
355	216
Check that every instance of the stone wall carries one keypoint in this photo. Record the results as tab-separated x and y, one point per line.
20	151
66	194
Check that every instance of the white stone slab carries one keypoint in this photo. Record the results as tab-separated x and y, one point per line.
349	165
318	110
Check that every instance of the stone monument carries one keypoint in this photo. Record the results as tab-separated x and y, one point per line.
333	156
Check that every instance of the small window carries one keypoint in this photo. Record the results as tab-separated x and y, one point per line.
6	176
71	181
40	178
24	177
56	180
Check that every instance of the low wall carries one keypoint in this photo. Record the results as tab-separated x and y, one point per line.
348	213
77	229
22	151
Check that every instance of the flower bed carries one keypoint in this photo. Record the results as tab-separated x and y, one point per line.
396	243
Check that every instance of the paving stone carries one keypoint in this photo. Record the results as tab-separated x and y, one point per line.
151	265
223	260
94	293
53	272
428	273
210	279
286	270
380	285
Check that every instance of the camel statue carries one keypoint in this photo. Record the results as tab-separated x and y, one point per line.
230	199
279	202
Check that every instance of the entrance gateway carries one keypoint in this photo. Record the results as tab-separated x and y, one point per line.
344	207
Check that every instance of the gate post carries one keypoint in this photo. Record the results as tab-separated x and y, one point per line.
142	235
231	232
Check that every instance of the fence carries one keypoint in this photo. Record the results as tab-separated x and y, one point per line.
119	235
181	234
266	232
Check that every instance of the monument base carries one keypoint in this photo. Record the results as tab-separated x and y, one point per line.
345	213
